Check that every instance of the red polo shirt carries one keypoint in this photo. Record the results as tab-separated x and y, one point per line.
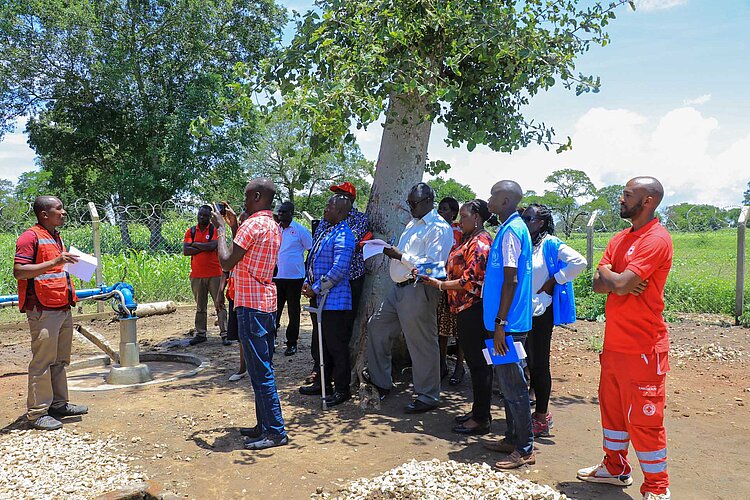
203	264
635	325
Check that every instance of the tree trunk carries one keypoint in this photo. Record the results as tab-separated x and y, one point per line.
400	165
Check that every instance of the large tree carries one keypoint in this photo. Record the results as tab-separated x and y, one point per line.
470	65
112	87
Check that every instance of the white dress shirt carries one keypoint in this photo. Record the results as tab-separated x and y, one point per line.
423	241
295	239
539	273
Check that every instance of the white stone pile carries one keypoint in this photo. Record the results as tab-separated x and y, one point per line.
442	480
61	464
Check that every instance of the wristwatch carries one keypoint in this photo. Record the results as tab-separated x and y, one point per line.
499	321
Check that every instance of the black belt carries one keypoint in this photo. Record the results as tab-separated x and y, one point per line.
408	282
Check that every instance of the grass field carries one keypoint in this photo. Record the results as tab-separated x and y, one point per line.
702	278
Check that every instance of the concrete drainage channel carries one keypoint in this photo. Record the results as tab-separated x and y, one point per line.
90	375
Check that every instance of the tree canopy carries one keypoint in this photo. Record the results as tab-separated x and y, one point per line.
112	88
453	188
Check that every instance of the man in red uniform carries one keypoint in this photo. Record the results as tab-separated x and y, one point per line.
205	275
634	361
45	294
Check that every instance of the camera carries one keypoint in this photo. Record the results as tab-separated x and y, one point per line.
221	208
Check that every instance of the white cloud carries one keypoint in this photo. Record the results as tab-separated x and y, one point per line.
16	156
613	145
703	99
648	5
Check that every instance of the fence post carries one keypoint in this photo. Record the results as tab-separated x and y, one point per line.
96	226
739	293
590	240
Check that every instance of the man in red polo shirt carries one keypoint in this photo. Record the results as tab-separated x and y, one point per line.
205	275
634	360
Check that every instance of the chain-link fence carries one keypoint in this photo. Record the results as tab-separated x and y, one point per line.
703	277
144	245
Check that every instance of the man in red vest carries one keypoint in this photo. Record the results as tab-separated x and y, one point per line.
45	294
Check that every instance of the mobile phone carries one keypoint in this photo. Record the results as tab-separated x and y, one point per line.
221	208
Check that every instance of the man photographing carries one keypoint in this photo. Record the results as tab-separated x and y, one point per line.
252	259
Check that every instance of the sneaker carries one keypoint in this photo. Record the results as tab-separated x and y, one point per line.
237	376
68	410
225	341
600	474
541	428
251	432
198	339
46	423
653	496
265	442
291	350
515	460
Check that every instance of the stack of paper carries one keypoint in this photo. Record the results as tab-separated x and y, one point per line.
85	267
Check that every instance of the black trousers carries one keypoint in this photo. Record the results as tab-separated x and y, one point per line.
289	292
471	335
336	335
538	353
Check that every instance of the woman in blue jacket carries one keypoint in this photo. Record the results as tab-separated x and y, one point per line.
554	267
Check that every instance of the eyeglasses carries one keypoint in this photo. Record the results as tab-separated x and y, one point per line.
413	204
527	218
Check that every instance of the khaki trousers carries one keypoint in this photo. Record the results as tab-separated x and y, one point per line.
202	288
51	339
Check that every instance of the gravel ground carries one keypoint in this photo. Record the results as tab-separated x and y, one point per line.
61	464
442	480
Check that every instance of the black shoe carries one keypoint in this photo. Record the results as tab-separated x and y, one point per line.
291	350
68	410
198	339
457	377
251	432
337	398
225	341
418	406
313	390
381	392
474	431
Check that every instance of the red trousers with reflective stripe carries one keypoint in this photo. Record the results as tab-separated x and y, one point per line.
631	400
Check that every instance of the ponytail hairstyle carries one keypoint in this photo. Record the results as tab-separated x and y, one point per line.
479	207
544	213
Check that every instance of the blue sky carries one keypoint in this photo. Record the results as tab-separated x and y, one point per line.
675	103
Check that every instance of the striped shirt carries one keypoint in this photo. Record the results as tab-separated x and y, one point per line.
253	275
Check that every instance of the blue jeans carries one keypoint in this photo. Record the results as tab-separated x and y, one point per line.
256	331
517	407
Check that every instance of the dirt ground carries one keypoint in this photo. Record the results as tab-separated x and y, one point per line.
185	434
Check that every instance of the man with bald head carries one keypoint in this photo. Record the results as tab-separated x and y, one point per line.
410	306
634	360
327	273
252	259
45	294
507	310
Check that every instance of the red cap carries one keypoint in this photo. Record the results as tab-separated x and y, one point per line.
345	188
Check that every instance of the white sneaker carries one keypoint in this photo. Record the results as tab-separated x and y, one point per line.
653	496
600	474
237	376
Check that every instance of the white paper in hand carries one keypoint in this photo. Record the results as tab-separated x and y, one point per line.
373	247
85	267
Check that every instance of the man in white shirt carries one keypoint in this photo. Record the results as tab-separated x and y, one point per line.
410	306
295	240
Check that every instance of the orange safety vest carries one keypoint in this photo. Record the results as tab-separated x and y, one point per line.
230	287
54	288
